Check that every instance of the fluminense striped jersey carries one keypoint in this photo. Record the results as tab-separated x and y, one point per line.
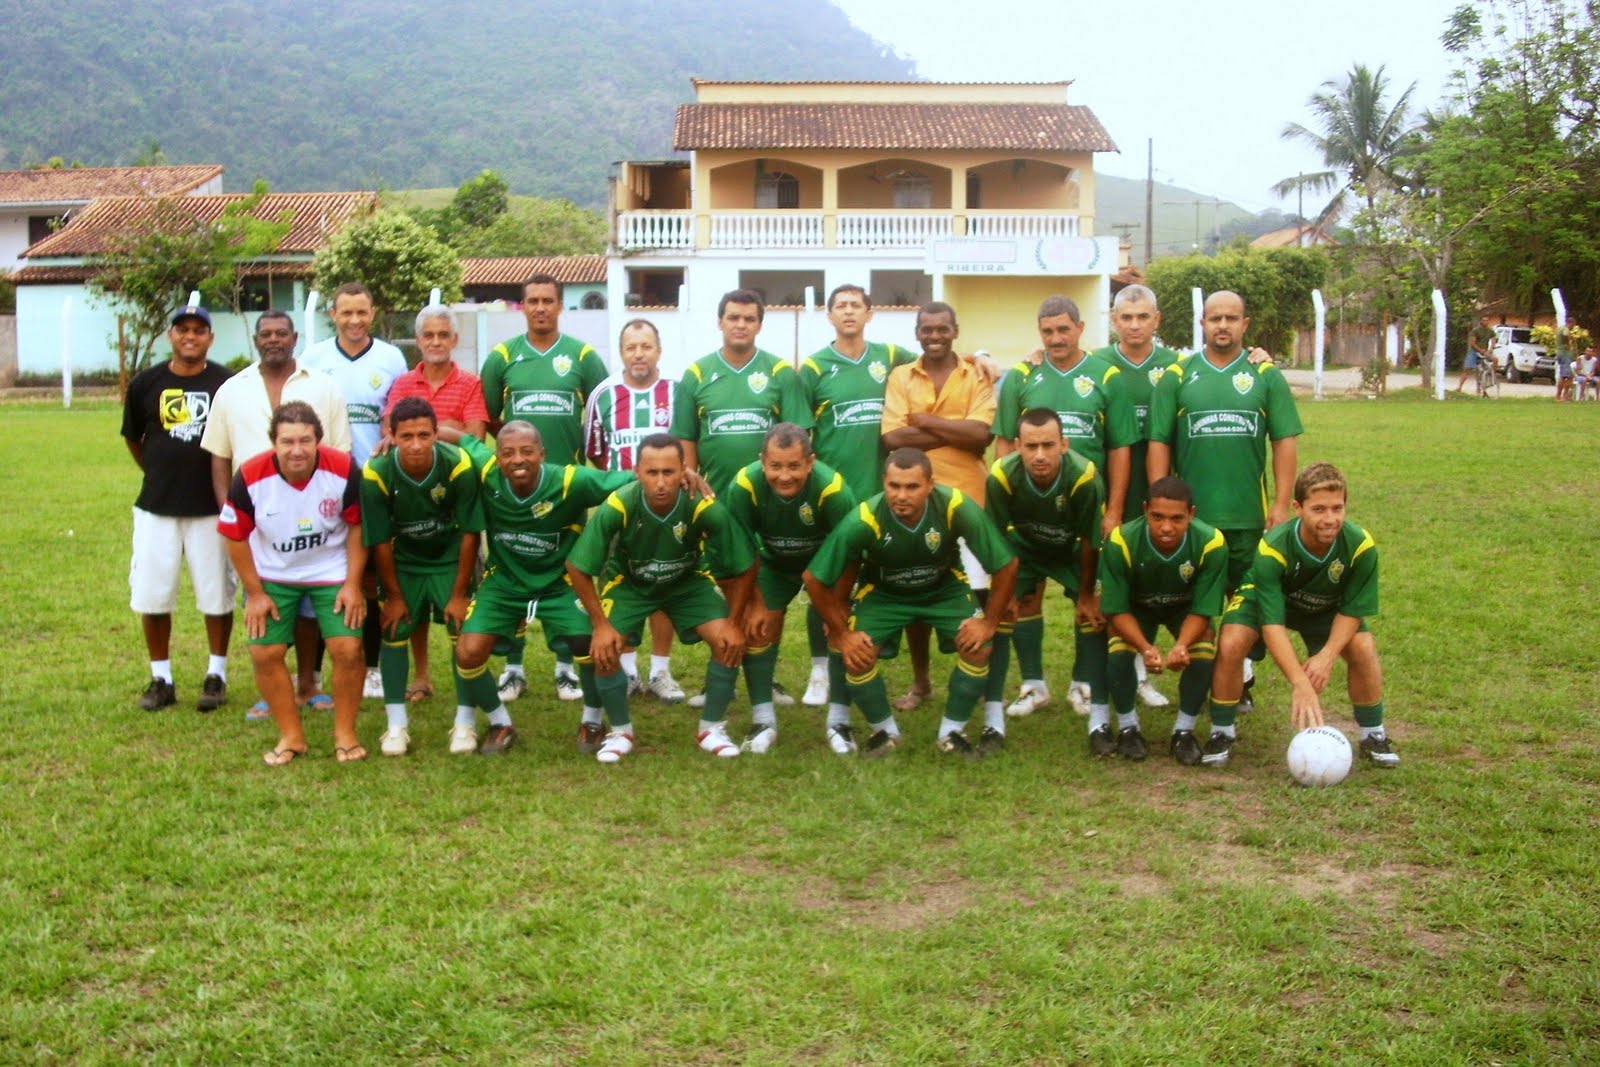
619	416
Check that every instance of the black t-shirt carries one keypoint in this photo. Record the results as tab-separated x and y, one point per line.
167	412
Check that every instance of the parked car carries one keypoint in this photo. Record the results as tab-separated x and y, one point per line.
1518	358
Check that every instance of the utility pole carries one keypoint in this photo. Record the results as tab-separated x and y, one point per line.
1149	200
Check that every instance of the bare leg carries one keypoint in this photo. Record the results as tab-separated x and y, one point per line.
277	688
349	672
158	635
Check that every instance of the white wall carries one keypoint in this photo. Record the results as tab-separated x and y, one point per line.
13	239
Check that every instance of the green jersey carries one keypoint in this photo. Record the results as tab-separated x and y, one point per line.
1045	520
529	537
846	400
1217	422
921	560
789	532
1135	577
1095	412
626	537
1139	382
727	412
546	388
423	517
1292	585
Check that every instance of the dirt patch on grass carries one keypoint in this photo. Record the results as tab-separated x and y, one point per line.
889	903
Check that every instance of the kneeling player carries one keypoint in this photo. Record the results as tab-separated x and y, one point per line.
649	536
906	538
1317	575
1165	569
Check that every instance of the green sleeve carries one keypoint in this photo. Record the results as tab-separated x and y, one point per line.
468	515
997	499
843	547
731	550
837	501
809	378
792	405
592	370
1122	421
1087	504
1212	580
1008	404
1266	573
740	499
376	528
1359	596
1283	418
685	419
1164	408
594	544
493	381
591	486
983	537
1115	561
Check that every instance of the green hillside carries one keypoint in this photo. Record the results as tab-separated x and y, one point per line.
366	93
1121	200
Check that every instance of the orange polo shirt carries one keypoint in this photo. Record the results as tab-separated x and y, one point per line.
966	395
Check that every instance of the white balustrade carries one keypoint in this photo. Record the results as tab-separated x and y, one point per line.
766	229
655	229
1020	224
871	229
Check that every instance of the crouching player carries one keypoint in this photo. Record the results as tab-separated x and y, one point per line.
905	541
648	536
1316	574
1165	569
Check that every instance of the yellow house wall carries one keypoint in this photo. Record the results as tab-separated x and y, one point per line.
879	93
858	191
1040	185
1000	314
733	187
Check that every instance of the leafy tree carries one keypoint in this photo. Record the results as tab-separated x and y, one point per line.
535	227
1275	283
395	257
481	200
150	266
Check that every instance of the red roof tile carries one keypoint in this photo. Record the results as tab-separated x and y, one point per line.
87	183
1005	127
83	272
513	270
316	216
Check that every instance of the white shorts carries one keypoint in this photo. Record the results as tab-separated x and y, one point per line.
160	544
977	577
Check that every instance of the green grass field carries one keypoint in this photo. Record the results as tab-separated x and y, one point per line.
165	898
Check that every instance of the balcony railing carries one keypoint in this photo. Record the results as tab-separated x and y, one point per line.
901	229
1024	224
766	229
670	230
655	229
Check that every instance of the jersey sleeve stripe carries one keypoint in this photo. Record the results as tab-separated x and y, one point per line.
1117	539
1366	543
999	474
831	488
463	465
956	499
567	474
700	507
871	520
614	501
1086	478
1267	550
368	474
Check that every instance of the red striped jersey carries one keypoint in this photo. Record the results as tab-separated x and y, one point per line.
619	417
296	532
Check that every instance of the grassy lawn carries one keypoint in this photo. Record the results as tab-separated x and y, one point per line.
163	897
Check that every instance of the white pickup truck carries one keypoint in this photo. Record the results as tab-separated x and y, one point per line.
1518	358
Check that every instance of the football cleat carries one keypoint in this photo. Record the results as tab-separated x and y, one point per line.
816	693
1102	742
991	742
590	737
698	700
497	740
396	740
760	740
1185	748
372	688
881	744
1376	747
717	742
1130	744
616	745
1218	750
635	686
955	743
665	687
567	687
781	696
1030	700
1150	696
463	739
1078	697
841	740
512	684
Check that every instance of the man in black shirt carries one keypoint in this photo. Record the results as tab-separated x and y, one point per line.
175	517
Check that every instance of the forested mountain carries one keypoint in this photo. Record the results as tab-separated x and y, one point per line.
369	92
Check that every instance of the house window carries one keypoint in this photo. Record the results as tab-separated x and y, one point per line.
974	190
42	226
777	190
912	191
593	301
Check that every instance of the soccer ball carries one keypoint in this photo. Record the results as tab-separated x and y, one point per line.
1319	756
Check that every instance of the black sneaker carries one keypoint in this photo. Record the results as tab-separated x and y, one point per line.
213	693
881	744
955	743
497	740
591	735
159	694
1218	750
1185	748
1247	702
1101	743
1130	744
991	742
1376	747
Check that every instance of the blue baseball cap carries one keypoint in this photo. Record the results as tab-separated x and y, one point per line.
193	311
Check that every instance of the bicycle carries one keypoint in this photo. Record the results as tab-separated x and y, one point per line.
1488	379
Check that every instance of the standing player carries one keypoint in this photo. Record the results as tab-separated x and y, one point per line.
1046	500
789	502
175	516
1318	576
903	542
1163	569
543	377
1211	417
649	535
628	407
530	512
416	500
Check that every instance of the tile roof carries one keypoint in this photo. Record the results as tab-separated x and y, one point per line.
512	270
316	215
82	272
83	184
1005	127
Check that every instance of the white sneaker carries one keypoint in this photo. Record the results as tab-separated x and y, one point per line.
463	739
373	686
666	687
635	686
1151	697
762	737
717	742
512	683
395	741
1030	700
698	700
841	740
568	688
1078	697
616	745
816	693
781	696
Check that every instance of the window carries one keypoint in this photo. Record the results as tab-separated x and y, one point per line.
593	301
42	226
974	190
777	190
912	191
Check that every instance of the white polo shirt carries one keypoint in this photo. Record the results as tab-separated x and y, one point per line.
236	428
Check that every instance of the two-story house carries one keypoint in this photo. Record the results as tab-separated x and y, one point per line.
981	195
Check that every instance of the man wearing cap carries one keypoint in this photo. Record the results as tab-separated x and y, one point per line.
175	516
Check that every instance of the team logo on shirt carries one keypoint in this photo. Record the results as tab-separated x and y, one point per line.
678	530
562	364
1335	569
1061	502
437	494
758	382
375	382
807	516
329	507
1243	382
1186	570
932	539
542	508
303	526
878	371
1083	384
183	415
1154	374
661	416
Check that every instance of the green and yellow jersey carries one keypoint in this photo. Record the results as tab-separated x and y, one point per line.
424	517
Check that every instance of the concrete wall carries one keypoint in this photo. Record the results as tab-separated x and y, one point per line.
13	239
8	351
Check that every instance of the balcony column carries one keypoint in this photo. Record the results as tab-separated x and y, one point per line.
958	201
830	205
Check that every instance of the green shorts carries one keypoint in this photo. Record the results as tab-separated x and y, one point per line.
505	612
690	602
426	594
1032	569
1149	623
778	588
1242	545
1244	610
287	596
882	616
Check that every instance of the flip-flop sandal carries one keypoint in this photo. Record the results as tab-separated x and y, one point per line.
258	711
418	692
350	754
912	699
319	702
282	757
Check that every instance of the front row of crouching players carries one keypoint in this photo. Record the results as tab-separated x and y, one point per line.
903	543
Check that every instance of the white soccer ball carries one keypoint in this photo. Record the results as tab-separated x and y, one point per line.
1320	756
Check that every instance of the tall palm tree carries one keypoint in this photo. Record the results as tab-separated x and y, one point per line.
1363	141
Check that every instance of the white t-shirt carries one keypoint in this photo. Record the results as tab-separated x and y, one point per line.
365	381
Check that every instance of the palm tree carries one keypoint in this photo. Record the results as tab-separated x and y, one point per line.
1362	140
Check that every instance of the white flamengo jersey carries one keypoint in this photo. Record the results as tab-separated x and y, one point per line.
296	532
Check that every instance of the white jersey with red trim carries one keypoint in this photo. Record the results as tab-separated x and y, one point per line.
297	533
619	416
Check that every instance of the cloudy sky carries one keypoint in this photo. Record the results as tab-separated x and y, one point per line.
1213	84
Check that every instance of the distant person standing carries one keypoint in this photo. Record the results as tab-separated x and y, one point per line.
175	516
1480	346
1564	362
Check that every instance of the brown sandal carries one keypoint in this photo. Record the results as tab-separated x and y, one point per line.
282	757
351	753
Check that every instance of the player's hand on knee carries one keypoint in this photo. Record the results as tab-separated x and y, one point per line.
973	634
858	651
392	613
1088	611
729	645
455	612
